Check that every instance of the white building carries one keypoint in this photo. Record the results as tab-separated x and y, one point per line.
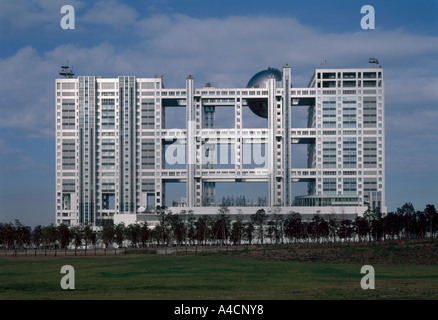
117	148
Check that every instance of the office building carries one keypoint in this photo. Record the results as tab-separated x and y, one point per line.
120	142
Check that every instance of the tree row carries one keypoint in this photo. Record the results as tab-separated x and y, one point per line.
186	229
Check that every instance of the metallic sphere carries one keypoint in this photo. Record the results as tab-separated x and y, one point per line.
260	80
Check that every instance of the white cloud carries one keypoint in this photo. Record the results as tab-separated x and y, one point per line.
5	148
32	14
412	90
411	138
26	93
110	13
225	52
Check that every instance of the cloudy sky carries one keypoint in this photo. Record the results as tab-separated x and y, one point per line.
222	42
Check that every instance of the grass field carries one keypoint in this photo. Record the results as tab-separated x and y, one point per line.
208	276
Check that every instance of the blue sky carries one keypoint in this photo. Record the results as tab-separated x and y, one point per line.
225	43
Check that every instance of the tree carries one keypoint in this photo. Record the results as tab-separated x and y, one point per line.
406	214
119	234
107	235
144	234
333	225
392	225
258	219
323	229
65	235
362	227
318	227
221	225
249	231
203	229
368	216
191	228
22	234
94	239
159	230
377	229
293	226
7	235
275	225
305	230
177	228
237	229
421	220
270	232
346	230
88	235
50	236
432	214
37	235
163	230
133	234
155	236
77	236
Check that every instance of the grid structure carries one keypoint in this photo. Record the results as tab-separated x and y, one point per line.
116	148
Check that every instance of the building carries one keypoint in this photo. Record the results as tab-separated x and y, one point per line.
118	145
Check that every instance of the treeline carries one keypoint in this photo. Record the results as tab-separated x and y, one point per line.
186	229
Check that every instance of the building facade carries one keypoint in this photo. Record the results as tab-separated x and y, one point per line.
117	146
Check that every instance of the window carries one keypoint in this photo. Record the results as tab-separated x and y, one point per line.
329	185
329	154
349	152
350	186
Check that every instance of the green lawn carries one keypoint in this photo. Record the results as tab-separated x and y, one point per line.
207	277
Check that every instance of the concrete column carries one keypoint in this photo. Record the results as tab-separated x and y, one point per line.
272	128
286	135
191	143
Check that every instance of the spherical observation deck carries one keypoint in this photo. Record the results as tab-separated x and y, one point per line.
260	80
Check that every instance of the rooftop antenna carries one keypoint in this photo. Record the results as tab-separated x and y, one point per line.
373	61
324	63
65	72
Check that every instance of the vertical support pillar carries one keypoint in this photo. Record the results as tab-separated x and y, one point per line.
159	111
237	139
286	135
87	147
127	145
272	127
190	142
